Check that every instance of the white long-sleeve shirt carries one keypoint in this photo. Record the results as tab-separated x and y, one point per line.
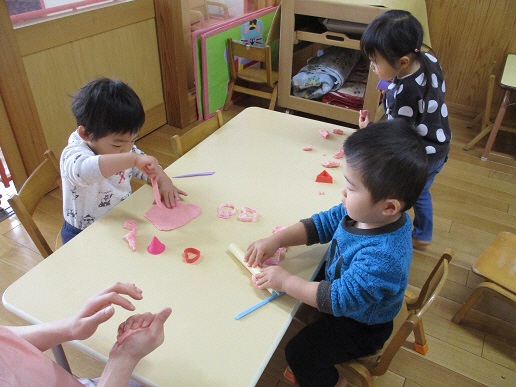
87	195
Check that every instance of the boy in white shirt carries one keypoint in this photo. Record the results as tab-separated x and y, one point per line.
100	159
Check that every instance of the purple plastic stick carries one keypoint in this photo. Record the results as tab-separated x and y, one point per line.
193	174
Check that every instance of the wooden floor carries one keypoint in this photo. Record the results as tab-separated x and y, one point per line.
473	201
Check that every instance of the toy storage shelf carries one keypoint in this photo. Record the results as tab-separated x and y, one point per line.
302	35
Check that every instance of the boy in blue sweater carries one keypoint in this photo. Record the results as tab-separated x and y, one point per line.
368	260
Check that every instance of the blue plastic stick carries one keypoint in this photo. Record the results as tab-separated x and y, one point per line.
258	305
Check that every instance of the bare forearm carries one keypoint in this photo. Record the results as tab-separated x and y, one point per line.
45	336
117	372
110	164
301	290
294	235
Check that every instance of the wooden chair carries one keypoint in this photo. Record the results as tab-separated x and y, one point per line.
44	179
200	16
182	144
259	76
496	265
407	321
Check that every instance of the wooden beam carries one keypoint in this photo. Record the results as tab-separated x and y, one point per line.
17	96
176	60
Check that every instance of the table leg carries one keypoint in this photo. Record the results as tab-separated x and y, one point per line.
496	126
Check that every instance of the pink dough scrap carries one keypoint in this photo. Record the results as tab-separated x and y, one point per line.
331	164
166	219
339	154
324	133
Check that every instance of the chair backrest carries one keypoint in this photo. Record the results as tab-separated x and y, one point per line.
405	324
182	144
44	179
254	53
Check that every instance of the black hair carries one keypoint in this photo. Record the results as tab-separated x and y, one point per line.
391	158
395	34
105	106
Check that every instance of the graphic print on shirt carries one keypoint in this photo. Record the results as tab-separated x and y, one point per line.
121	174
106	200
87	221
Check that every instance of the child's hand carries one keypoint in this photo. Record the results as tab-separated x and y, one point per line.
261	250
272	277
169	192
98	309
148	165
363	120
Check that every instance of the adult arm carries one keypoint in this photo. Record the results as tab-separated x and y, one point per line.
82	325
138	336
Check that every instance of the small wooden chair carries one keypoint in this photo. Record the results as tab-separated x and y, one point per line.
366	368
496	265
44	179
260	76
182	144
200	16
408	320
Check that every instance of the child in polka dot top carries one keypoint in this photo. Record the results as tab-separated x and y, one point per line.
392	42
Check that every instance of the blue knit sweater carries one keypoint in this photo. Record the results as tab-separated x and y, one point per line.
366	270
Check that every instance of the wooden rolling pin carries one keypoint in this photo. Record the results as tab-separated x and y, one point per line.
239	254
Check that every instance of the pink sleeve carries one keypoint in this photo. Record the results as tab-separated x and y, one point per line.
22	364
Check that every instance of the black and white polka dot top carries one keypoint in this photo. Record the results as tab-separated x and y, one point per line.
405	98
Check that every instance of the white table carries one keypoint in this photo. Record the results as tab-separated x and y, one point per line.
259	162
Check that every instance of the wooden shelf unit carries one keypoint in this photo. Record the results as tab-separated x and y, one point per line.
302	35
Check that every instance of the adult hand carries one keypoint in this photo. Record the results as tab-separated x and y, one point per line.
140	334
99	309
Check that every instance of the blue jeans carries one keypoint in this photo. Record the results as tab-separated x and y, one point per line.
423	213
68	232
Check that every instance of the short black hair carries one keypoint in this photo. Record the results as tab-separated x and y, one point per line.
391	158
106	106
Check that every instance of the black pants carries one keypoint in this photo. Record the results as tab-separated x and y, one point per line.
314	351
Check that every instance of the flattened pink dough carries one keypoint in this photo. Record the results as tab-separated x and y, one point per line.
171	218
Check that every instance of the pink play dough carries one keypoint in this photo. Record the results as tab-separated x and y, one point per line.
331	164
171	218
324	133
339	154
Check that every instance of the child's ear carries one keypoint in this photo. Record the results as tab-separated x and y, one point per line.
392	207
82	133
404	62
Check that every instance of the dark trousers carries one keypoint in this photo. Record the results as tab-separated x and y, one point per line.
314	351
68	232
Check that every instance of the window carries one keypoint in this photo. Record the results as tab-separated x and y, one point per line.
30	11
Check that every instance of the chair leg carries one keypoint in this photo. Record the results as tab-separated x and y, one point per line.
229	96
420	343
274	96
60	358
496	126
478	137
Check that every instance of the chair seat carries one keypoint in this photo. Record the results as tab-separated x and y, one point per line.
255	75
498	262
